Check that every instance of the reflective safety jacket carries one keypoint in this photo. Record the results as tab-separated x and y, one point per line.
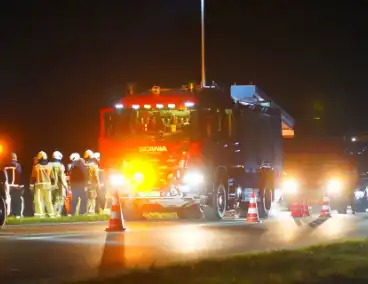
59	174
42	176
13	174
92	173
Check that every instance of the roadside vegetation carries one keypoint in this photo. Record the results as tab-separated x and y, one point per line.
339	263
81	218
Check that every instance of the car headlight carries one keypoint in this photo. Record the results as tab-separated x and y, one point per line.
334	186
193	178
116	179
290	186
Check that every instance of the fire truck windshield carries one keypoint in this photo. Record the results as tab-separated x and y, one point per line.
157	124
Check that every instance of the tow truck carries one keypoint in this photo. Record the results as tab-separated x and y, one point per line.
194	151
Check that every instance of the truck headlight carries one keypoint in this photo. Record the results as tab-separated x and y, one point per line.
193	178
138	177
334	186
290	186
116	179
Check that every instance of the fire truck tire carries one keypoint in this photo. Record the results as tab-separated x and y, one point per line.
216	208
264	205
2	212
131	212
192	212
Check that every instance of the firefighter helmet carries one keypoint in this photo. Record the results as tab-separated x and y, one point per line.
88	154
41	155
57	155
97	156
74	157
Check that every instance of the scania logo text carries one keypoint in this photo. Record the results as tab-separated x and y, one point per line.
153	149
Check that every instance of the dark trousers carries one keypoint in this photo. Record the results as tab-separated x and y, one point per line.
79	192
100	200
17	201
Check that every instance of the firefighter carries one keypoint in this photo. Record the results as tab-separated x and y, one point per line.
68	199
100	199
42	181
61	187
73	159
14	189
93	181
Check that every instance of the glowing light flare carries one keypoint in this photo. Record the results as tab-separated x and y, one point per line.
138	177
119	106
189	104
171	105
193	178
334	186
147	106
159	106
290	185
116	179
135	106
140	173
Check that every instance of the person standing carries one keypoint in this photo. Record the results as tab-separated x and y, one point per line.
100	199
14	187
78	184
61	187
93	181
42	181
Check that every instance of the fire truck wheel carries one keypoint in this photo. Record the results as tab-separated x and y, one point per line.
2	212
216	209
264	205
192	212
131	212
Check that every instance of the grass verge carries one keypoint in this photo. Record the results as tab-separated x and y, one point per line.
71	219
335	263
35	220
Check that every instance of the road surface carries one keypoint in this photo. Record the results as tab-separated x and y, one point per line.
81	251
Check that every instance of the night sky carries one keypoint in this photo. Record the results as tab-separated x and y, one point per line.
63	60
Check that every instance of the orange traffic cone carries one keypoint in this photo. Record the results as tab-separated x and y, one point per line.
326	209
296	209
116	222
253	216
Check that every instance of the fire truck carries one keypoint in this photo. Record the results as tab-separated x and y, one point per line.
194	151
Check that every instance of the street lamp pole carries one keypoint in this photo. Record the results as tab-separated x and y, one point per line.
203	68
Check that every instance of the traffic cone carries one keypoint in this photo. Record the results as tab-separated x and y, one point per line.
253	216
326	209
297	209
116	222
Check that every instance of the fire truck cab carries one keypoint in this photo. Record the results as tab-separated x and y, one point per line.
194	151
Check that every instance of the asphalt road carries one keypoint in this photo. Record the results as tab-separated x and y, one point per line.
29	254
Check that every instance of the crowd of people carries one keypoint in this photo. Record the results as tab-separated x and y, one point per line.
53	185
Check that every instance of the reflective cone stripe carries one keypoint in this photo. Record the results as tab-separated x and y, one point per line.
116	222
252	211
326	210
